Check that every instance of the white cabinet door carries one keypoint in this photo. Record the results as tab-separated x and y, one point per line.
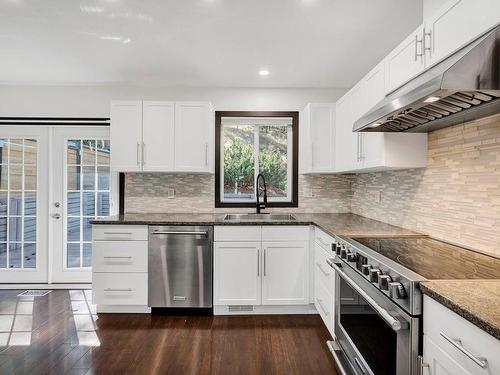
439	362
405	61
346	142
158	136
193	136
285	277
237	273
319	138
126	136
457	24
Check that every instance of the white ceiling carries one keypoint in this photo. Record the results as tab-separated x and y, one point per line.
219	43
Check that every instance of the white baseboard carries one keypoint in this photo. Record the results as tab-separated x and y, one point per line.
119	309
45	286
268	310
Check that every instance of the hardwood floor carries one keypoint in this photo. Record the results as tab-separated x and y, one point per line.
60	334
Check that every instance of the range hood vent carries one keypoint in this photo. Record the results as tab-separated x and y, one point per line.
464	87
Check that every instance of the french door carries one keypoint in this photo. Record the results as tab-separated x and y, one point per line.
53	182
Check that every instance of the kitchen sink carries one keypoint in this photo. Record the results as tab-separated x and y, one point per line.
259	217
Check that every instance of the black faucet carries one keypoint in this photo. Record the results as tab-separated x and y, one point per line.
260	206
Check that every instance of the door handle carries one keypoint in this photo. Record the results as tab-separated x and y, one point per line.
258	262
265	262
143	154
137	156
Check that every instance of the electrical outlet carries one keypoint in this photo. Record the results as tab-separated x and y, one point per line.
170	193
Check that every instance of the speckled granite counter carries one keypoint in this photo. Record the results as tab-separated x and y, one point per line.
341	224
478	301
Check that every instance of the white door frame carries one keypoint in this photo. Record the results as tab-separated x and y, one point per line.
39	274
59	273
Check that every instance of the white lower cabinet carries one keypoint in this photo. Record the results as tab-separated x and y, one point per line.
271	272
453	345
285	273
237	279
127	289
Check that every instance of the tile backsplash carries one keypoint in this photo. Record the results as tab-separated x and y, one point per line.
456	198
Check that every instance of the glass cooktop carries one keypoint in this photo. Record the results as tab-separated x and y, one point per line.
434	259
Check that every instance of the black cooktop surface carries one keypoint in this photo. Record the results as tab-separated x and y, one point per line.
435	260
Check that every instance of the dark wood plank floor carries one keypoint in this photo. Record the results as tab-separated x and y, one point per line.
60	334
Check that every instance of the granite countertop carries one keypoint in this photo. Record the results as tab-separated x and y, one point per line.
478	301
350	225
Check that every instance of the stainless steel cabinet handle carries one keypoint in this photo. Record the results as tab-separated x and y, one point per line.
143	154
457	343
320	303
138	157
322	270
258	262
122	257
265	262
114	233
394	323
192	233
117	290
417	42
206	154
429	47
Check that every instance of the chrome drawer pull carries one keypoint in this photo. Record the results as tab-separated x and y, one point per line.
117	290
457	343
180	232
113	233
107	257
322	270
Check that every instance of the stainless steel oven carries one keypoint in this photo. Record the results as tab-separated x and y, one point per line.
374	334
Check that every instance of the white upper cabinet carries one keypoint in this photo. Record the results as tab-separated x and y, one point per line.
157	132
193	136
456	24
126	136
317	138
346	142
155	136
406	61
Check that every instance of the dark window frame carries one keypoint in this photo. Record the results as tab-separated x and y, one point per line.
295	156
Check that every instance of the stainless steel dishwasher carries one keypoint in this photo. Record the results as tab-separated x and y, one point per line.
180	266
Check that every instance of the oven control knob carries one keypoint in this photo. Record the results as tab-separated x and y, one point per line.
374	274
343	253
365	269
396	290
338	249
351	257
383	281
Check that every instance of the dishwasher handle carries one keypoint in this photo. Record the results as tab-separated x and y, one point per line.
187	233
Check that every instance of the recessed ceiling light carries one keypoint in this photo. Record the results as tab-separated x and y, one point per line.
263	72
432	99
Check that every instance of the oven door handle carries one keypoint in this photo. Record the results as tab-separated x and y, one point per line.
394	323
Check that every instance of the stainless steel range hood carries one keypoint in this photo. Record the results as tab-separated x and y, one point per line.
464	87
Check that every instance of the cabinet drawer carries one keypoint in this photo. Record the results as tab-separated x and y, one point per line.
285	233
120	288
236	233
324	274
120	256
323	239
323	302
119	232
441	323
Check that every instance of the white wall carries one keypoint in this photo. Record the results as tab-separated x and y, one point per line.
94	100
430	6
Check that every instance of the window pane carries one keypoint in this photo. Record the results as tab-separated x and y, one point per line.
30	229
74	177
238	162
30	177
73	229
89	152
3	229
87	255
102	204
88	178
73	204
4	151
16	203
15	228
30	204
89	204
16	151
103	178
29	255
14	255
73	255
30	151
103	152
16	177
87	229
4	177
3	255
3	203
74	152
273	144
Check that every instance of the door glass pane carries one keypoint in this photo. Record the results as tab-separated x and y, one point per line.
87	193
18	197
